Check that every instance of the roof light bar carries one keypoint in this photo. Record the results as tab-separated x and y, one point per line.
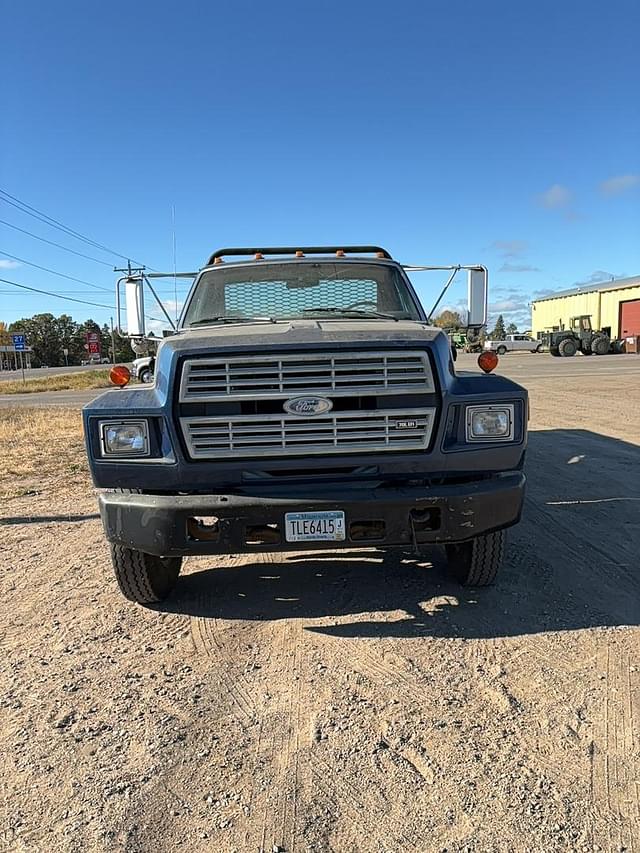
378	251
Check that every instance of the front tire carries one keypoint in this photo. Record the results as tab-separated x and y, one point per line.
600	346
145	376
501	350
144	578
477	562
567	347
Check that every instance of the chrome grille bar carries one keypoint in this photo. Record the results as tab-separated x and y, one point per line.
285	375
279	435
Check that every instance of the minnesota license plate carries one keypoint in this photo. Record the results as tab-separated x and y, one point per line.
314	526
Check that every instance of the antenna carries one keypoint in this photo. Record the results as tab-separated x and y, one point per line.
175	280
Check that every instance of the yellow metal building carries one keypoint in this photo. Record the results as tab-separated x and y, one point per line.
614	307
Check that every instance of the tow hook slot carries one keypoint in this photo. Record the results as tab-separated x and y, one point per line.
205	528
423	521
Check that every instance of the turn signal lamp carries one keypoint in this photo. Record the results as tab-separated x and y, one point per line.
487	361
120	375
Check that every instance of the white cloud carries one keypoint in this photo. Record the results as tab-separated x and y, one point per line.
510	248
597	276
6	264
507	267
152	310
508	305
556	196
619	184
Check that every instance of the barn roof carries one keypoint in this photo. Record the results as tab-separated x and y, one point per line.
616	284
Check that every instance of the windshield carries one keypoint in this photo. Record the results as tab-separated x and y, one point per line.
289	290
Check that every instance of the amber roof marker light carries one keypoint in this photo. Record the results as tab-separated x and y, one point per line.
487	361
120	375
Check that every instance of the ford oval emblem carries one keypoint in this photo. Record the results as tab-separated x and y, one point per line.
308	406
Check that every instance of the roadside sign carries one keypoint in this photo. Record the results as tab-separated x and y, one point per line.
19	343
93	343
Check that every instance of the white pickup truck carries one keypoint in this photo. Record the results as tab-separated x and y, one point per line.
514	343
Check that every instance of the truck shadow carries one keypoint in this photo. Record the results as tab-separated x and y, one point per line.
572	563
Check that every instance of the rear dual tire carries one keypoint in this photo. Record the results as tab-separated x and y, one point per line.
477	562
144	578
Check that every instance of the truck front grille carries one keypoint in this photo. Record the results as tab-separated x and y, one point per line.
286	375
289	435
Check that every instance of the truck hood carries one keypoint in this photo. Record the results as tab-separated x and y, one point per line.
294	333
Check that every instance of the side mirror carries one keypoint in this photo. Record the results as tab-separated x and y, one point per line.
134	304
477	297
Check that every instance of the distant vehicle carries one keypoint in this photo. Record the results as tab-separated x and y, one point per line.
580	336
514	343
142	369
96	359
468	341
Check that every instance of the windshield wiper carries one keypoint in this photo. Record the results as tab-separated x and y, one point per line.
232	320
346	312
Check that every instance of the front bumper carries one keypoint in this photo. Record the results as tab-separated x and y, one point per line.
375	516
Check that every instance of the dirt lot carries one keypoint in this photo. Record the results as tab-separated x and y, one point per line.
357	704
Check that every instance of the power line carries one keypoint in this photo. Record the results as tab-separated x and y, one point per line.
57	295
54	223
54	272
68	298
52	243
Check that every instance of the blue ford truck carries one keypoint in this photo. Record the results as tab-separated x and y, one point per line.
304	401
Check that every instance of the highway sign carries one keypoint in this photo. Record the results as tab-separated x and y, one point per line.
19	343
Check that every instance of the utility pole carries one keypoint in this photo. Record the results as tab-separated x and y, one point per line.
113	343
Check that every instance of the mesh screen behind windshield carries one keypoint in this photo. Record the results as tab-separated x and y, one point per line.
275	297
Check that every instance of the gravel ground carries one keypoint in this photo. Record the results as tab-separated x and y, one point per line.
356	702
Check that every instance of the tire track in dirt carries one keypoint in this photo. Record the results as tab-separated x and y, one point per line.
207	634
615	754
361	805
275	783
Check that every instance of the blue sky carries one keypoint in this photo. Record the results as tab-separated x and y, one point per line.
495	132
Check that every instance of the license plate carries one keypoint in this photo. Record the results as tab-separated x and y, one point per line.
314	526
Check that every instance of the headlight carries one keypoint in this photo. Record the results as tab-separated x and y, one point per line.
124	438
490	423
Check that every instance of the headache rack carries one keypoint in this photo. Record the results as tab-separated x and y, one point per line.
298	251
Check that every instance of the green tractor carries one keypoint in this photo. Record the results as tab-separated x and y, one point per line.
468	341
578	337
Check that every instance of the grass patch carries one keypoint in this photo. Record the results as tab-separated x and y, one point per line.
40	446
59	382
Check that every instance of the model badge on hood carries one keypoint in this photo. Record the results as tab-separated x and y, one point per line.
308	406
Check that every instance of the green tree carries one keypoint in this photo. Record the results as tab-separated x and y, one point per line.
448	320
512	329
43	337
499	332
